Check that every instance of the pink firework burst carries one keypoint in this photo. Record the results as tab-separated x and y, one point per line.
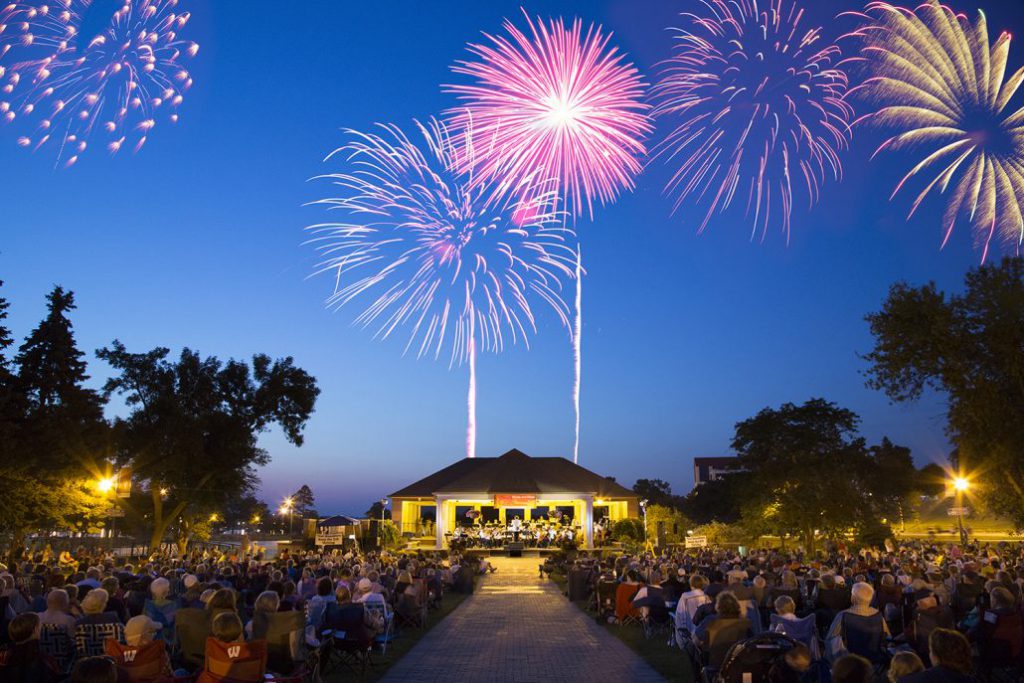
555	104
757	108
63	81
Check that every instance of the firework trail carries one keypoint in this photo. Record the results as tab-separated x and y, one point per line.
941	88
424	247
757	107
554	103
121	80
577	350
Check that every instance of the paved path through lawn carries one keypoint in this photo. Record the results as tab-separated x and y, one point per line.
518	627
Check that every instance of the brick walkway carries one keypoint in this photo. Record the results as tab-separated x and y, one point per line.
517	627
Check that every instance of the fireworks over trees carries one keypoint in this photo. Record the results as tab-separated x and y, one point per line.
68	83
756	104
426	248
941	87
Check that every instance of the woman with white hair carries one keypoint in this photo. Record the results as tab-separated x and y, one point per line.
96	624
160	608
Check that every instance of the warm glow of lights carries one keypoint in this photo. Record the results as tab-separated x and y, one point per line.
163	492
105	485
961	484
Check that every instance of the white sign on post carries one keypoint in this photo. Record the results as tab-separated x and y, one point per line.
696	541
330	538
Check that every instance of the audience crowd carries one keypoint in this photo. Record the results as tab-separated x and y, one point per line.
916	613
90	617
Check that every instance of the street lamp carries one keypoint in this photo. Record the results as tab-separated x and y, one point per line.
105	485
380	529
643	509
288	506
960	486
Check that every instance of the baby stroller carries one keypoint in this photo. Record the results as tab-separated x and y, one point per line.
750	660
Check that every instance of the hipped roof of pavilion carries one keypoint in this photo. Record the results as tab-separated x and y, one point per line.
514	473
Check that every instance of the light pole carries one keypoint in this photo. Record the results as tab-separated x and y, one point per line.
960	486
380	529
105	486
288	506
643	509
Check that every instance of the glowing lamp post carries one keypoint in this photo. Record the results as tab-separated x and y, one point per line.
960	486
288	508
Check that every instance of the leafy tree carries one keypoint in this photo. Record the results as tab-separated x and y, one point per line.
373	514
969	346
53	428
801	469
192	433
303	502
891	480
717	500
656	491
931	480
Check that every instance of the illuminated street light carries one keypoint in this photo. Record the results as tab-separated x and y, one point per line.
961	484
105	485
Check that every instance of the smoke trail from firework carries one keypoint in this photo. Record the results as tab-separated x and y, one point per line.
755	102
425	248
941	88
122	80
471	397
577	350
555	104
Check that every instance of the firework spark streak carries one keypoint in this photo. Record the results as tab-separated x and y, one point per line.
577	350
424	247
757	107
557	104
941	88
121	81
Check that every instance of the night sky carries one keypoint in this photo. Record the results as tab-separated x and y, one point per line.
198	241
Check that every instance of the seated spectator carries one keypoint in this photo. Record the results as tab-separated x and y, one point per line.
229	657
160	608
317	605
268	602
222	600
23	661
717	633
689	603
852	669
903	664
859	630
366	594
142	658
950	655
94	670
114	603
96	625
56	613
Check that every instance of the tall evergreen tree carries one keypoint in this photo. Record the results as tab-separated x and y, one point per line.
55	425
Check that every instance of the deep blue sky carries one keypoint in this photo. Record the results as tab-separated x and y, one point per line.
197	241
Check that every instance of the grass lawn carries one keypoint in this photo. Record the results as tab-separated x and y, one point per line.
402	643
668	661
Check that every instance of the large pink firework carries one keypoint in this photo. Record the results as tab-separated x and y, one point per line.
555	104
757	107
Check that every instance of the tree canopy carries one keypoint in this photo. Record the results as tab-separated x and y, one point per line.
192	432
54	436
970	347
